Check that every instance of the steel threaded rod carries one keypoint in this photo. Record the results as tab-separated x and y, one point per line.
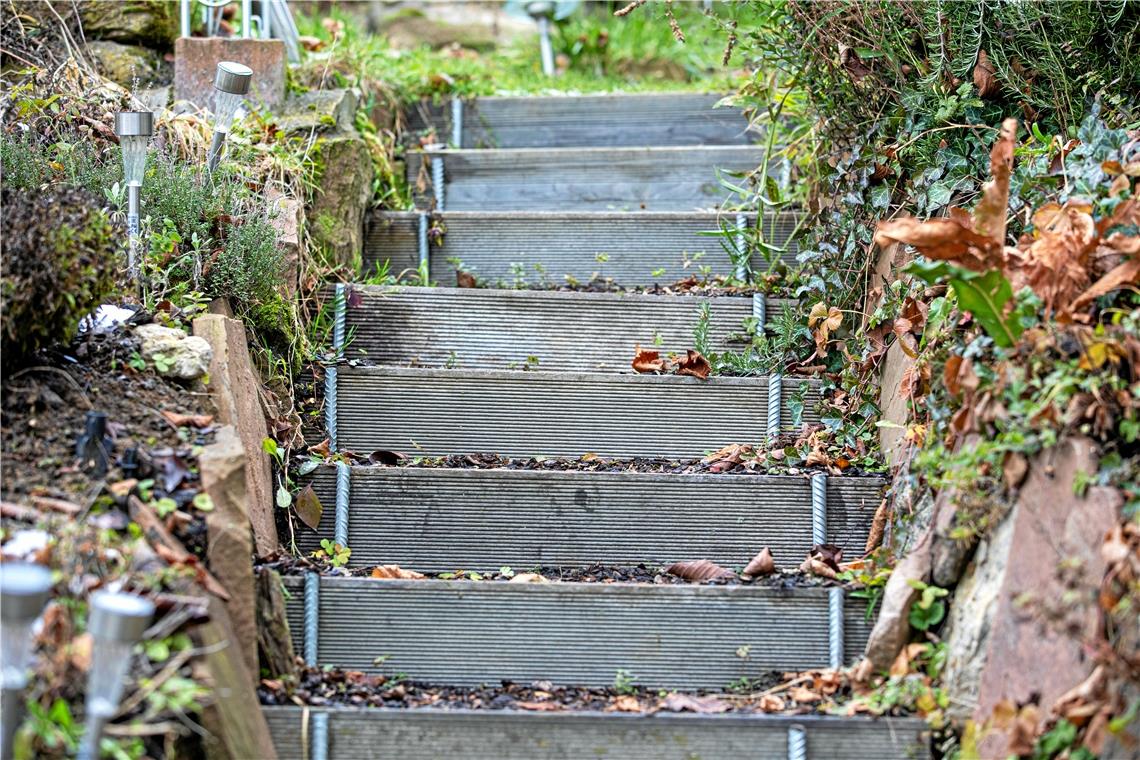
339	305
312	617
456	121
319	736
835	627
760	311
819	508
342	498
422	242
775	403
797	742
330	405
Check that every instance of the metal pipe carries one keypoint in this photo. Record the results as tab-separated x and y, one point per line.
545	47
134	203
797	742
184	16
216	143
457	121
319	736
266	19
246	16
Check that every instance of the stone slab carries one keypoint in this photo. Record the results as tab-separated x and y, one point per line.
234	386
196	59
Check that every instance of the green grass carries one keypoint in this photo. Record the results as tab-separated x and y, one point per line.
602	54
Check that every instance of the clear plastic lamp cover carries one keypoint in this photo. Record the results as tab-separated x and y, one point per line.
110	662
16	645
226	105
134	157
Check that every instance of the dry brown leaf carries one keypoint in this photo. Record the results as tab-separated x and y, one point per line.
191	420
803	694
396	572
465	279
625	703
647	361
122	488
943	239
529	578
985	76
771	703
991	211
761	564
310	43
309	508
676	702
815	567
80	652
878	526
1127	273
693	364
902	328
1014	468
539	706
1119	185
699	570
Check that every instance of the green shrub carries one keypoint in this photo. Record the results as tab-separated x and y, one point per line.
28	163
249	269
59	263
180	192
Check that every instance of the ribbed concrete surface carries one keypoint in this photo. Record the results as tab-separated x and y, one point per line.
518	413
438	520
583	179
430	734
465	632
491	329
551	245
610	120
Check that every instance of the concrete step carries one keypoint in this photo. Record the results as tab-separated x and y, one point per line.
517	413
344	733
530	248
578	179
577	121
441	520
668	636
498	329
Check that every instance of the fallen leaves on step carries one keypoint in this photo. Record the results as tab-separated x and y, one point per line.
188	420
464	279
678	702
625	703
387	458
761	564
396	572
693	363
699	570
539	706
308	507
648	361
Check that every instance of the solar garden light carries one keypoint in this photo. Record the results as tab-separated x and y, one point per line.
116	622
24	590
231	81
542	12
134	129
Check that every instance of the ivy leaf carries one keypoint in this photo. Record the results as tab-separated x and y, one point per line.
984	295
938	195
284	498
307	466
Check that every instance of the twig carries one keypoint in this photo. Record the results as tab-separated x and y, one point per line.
67	376
146	729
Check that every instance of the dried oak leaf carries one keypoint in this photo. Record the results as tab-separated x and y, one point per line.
539	706
647	361
944	239
1056	264
308	507
1127	273
829	554
771	703
823	321
878	526
625	703
191	420
464	279
761	564
396	572
693	364
699	570
676	702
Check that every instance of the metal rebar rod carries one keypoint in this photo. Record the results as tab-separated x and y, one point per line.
340	306
835	628
422	243
312	617
319	736
775	402
740	242
330	405
760	311
546	49
437	179
343	492
819	508
797	742
456	121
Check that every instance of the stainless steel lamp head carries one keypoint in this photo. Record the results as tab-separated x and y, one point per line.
24	588
134	124
233	77
119	617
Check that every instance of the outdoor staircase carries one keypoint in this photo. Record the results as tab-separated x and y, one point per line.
566	183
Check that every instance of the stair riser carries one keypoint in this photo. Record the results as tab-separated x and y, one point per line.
495	329
585	121
635	247
430	734
471	632
438	520
614	179
524	414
